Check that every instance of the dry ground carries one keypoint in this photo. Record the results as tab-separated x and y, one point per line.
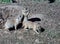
50	21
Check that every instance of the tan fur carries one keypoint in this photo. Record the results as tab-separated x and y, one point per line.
29	24
32	25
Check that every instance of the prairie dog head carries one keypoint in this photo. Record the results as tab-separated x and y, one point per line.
25	11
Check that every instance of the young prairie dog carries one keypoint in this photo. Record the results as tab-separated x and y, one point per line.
29	24
13	22
32	25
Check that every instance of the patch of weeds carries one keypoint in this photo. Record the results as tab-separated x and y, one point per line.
52	34
20	42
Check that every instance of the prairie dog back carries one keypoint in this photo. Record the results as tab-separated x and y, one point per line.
32	25
9	23
13	22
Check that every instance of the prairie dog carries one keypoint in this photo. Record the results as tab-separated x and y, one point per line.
27	23
30	24
13	22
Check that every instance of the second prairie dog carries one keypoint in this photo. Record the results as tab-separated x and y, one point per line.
27	23
13	22
32	25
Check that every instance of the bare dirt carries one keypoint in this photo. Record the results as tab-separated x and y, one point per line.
50	22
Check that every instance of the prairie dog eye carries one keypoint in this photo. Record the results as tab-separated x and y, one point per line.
26	8
20	16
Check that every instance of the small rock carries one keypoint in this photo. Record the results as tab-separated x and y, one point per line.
37	41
